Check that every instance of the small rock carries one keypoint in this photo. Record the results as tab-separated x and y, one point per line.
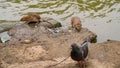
118	53
27	41
70	31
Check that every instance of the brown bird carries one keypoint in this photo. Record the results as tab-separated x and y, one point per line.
31	18
76	23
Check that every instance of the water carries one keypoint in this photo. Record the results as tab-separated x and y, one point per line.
100	16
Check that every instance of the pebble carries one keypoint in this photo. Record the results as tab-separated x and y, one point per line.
118	53
27	41
69	30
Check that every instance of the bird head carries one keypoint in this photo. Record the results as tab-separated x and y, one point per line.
77	26
25	18
74	46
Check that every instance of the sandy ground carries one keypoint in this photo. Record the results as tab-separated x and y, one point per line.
45	49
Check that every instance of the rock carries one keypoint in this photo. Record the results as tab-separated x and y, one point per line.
118	53
44	46
69	30
50	23
106	52
27	41
7	26
24	34
94	63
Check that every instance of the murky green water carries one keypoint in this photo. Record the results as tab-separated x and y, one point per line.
100	16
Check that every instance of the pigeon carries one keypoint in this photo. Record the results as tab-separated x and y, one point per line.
76	23
79	53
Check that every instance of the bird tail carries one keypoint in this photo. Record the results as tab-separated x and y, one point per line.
86	42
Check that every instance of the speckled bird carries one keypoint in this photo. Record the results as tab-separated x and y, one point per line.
76	23
32	17
79	53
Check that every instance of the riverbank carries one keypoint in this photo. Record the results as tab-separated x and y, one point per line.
101	55
46	48
42	44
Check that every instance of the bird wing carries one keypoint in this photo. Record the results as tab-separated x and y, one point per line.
84	48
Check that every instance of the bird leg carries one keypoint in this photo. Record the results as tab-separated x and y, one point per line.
79	63
83	64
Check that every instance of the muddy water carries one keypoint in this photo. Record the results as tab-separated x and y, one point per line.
100	16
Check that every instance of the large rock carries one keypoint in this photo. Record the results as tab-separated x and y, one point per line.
50	23
43	46
6	26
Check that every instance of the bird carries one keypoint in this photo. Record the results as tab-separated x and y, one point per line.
76	23
79	53
31	18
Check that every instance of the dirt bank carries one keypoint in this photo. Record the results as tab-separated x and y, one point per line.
46	48
101	55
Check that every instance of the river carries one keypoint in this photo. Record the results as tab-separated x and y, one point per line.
100	16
